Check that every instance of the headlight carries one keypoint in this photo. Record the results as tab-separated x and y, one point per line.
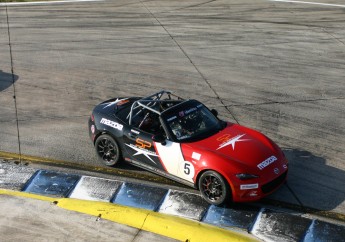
244	176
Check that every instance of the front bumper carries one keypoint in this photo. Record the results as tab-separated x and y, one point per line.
245	194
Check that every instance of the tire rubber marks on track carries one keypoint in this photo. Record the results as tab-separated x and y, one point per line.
314	3
47	2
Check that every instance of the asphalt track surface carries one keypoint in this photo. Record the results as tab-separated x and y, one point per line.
33	218
70	220
277	67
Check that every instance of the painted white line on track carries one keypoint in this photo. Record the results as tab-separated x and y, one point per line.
314	3
46	2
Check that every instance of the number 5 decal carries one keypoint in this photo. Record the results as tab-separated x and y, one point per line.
187	169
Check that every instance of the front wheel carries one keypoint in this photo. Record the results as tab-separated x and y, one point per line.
107	150
214	188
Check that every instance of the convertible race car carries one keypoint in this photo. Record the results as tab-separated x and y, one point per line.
183	140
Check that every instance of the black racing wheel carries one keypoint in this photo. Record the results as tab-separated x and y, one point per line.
214	188
107	150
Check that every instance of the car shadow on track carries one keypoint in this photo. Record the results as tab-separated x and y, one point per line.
313	181
6	80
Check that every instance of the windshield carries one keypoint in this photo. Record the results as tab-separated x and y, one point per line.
191	121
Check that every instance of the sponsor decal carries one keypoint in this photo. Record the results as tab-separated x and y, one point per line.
171	119
135	131
196	156
93	129
253	193
276	171
117	101
185	112
122	101
285	166
143	143
141	151
179	137
112	124
249	186
267	162
226	140
224	137
190	110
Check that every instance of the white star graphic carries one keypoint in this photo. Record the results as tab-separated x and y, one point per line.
233	141
142	152
114	102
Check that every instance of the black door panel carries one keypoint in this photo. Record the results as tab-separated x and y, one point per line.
140	147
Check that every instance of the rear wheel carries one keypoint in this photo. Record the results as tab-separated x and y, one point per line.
214	188
107	150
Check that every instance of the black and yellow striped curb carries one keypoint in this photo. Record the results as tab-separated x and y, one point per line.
171	207
166	225
25	159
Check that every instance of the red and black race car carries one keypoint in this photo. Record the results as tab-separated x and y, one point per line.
183	140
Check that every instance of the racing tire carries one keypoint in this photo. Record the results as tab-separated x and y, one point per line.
214	188
107	150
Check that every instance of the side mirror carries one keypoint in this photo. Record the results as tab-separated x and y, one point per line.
159	138
214	112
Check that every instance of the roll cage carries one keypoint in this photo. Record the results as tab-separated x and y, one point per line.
156	103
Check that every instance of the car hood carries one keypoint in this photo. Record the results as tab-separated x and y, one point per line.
240	144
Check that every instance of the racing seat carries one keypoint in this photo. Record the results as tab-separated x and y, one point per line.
150	123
